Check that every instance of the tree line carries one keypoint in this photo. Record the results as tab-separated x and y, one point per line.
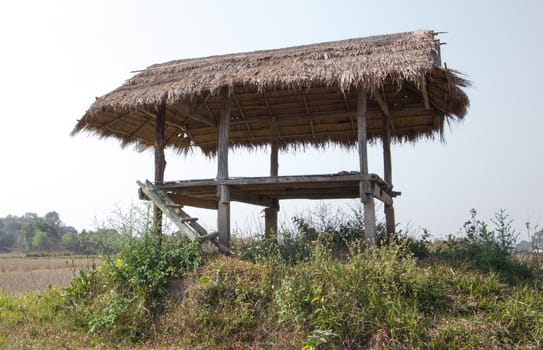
46	234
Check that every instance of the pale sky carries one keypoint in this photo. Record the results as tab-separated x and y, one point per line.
57	56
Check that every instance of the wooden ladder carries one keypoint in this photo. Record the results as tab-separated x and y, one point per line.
186	224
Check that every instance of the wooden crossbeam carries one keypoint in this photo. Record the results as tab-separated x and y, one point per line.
184	109
209	111
139	128
109	122
182	128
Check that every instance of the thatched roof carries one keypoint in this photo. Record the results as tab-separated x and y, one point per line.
308	91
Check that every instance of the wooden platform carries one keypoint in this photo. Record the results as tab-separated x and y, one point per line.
265	191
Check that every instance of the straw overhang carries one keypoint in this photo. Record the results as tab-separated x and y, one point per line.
308	93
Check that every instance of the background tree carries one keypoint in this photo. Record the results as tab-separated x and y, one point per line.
53	218
70	241
41	241
7	239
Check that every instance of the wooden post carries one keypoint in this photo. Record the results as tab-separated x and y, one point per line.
390	223
365	186
223	214
160	162
270	214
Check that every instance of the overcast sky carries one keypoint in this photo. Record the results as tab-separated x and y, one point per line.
57	56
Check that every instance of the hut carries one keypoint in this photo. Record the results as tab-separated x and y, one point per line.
391	88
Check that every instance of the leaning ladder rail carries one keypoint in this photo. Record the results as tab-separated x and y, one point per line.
186	224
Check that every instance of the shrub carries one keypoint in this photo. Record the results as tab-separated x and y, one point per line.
486	250
347	304
294	245
124	294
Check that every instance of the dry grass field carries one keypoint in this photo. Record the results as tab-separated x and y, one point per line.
20	274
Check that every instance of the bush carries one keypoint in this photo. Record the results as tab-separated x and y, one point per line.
349	304
295	245
124	294
486	250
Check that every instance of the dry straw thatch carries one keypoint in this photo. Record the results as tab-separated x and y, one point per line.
307	94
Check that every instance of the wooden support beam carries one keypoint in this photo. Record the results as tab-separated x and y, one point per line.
223	215
390	222
366	193
239	106
387	160
312	129
384	107
424	91
274	149
306	105
270	220
268	107
160	161
270	213
347	107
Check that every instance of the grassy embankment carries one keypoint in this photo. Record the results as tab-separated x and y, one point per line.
379	299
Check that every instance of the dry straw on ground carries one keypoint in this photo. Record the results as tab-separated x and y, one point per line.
25	274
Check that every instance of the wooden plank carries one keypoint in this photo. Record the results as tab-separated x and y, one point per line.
297	179
189	183
239	195
365	186
285	179
194	201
